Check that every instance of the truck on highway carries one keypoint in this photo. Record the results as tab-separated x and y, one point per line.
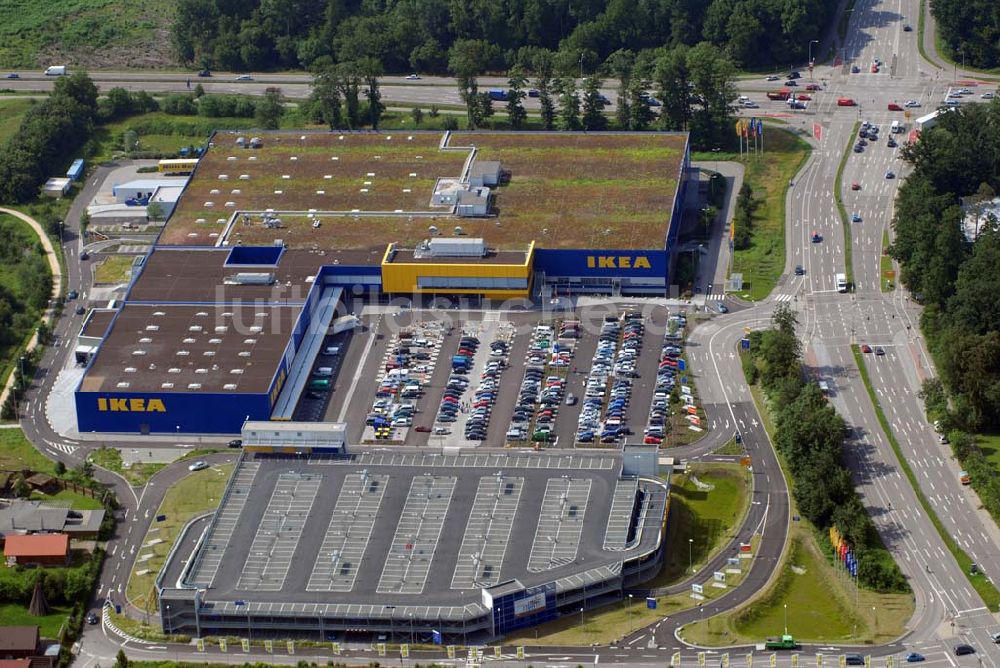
784	642
55	71
782	94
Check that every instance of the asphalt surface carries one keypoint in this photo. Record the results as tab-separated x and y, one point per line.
947	608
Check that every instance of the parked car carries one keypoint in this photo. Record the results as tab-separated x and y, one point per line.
914	657
963	649
235	443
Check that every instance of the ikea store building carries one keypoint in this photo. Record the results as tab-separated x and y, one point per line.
272	232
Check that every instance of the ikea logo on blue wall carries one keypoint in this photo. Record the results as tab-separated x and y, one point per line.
618	262
123	405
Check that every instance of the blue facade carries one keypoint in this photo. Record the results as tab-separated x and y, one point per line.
168	412
527	607
604	263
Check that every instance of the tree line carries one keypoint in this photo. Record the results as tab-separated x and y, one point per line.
810	436
418	35
970	30
951	264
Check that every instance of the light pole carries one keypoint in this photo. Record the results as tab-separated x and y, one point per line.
169	625
874	623
690	554
811	42
786	619
629	614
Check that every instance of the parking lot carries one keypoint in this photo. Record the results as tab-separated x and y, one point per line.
536	365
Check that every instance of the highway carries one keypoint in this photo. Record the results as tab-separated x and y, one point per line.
947	608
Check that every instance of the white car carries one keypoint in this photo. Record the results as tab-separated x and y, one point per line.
244	77
772	77
987	96
911	104
199	465
413	77
750	104
964	91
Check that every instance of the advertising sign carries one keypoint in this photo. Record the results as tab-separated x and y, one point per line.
529	604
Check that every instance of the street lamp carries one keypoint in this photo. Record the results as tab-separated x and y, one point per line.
169	625
811	42
629	614
690	554
786	619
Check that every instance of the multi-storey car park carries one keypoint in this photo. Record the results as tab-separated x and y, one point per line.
273	231
470	546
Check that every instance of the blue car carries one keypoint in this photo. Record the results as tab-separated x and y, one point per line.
914	657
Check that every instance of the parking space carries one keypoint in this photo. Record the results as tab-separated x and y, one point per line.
417	533
407	369
488	532
619	522
347	536
543	385
560	523
224	524
278	533
667	371
316	398
467	403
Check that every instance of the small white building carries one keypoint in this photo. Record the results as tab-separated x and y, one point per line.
294	437
484	173
56	187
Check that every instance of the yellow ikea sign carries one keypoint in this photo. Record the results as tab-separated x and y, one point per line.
121	405
617	262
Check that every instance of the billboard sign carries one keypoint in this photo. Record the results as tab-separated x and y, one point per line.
529	604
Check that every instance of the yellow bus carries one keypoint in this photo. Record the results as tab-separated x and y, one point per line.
179	166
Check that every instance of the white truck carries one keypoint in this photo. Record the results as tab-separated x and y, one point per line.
55	71
841	280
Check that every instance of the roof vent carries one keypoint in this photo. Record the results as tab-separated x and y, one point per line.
215	340
160	313
244	353
201	371
122	385
182	353
145	339
256	329
166	386
130	369
173	369
236	372
209	353
229	386
138	353
152	328
250	341
188	340
195	328
221	329
194	386
202	314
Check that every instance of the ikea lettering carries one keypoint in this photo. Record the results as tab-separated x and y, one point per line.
123	405
617	262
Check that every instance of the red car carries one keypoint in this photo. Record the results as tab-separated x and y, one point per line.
894	107
804	98
652	440
874	68
855	186
813	87
865	348
422	429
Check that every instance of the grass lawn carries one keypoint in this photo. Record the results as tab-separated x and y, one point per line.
114	269
602	626
12	110
193	495
709	516
111	459
762	263
16	453
886	272
990	445
69	499
14	614
820	605
85	33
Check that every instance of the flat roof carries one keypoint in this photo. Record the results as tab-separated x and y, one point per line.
97	322
409	528
493	256
226	348
36	545
562	190
199	276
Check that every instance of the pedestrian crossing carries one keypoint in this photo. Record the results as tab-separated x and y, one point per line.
63	447
715	297
783	298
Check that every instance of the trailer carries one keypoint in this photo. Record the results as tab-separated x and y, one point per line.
784	642
75	171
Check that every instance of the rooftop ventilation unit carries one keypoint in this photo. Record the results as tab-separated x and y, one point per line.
229	386
166	386
250	278
194	386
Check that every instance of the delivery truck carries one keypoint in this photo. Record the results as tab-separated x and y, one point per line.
55	71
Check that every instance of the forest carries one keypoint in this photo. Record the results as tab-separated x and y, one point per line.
417	35
970	30
955	270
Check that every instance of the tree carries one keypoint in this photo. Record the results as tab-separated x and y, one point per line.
713	77
121	661
60	468
515	97
349	82
154	211
417	115
569	104
593	105
640	115
466	59
325	97
671	78
20	488
269	110
371	70
620	65
77	86
542	64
